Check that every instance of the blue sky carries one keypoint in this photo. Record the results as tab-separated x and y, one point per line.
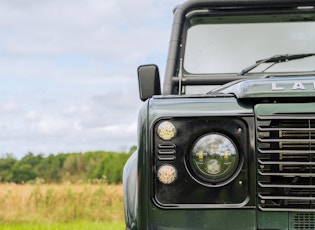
68	78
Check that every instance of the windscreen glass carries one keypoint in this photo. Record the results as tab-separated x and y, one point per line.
230	44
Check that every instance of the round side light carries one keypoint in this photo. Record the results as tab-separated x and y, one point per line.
166	130
167	174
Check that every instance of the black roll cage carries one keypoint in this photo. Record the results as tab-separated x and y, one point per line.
171	81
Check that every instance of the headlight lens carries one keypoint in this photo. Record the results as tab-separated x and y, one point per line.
166	130
167	174
214	158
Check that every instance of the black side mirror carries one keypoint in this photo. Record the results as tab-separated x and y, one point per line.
149	81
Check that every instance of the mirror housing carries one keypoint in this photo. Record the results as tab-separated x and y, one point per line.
149	81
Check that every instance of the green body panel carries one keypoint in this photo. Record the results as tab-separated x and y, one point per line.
149	216
203	219
274	87
142	217
272	220
196	106
141	210
268	109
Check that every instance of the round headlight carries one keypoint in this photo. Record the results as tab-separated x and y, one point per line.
214	158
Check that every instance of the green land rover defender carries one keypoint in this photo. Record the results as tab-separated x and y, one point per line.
229	143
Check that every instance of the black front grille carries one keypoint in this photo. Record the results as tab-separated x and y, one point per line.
286	162
303	221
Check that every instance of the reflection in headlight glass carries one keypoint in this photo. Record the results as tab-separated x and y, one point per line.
214	157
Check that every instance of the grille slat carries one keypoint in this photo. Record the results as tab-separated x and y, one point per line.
269	185
292	141
261	129
286	174
286	162
276	197
291	163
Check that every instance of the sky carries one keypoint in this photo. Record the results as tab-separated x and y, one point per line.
68	72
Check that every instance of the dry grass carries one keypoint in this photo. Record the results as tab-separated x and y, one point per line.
60	203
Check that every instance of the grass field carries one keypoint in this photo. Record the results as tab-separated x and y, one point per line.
77	225
66	206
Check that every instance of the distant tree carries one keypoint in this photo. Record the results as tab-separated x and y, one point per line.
22	172
72	167
31	159
92	161
112	166
50	168
6	164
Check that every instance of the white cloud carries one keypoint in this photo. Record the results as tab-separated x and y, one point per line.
68	71
9	107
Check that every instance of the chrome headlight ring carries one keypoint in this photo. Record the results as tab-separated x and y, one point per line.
214	159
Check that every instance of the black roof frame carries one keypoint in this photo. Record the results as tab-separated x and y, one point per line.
180	12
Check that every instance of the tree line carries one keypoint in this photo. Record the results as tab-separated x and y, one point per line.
94	167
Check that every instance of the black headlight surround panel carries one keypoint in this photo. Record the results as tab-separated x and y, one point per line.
189	190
